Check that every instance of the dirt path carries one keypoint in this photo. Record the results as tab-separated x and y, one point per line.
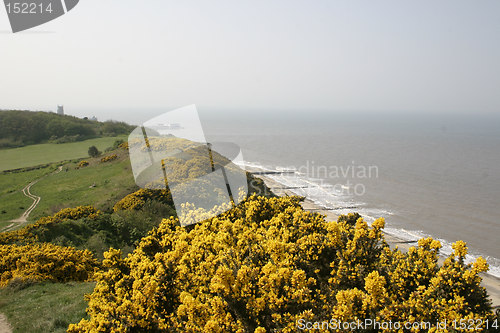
36	199
4	325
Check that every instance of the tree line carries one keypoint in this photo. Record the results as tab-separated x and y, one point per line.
21	128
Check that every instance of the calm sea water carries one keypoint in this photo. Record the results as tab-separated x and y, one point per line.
430	175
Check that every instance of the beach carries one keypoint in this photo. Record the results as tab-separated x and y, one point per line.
425	182
491	283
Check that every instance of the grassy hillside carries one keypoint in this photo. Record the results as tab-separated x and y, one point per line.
106	183
55	304
28	156
102	182
21	128
12	201
99	184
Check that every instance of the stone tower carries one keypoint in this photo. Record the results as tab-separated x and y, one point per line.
60	110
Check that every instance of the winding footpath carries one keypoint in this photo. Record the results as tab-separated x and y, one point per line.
4	324
36	199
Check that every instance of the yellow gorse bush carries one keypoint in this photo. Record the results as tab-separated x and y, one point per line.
74	213
137	199
109	158
83	164
41	262
266	264
123	145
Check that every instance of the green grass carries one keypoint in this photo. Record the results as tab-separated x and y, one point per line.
45	307
13	205
71	188
50	152
99	184
3	224
12	201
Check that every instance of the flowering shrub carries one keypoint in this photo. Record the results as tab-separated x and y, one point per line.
74	213
83	164
109	158
123	145
26	235
266	264
40	262
136	200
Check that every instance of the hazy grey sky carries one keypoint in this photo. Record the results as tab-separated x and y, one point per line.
270	55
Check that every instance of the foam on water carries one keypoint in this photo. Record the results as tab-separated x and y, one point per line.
326	196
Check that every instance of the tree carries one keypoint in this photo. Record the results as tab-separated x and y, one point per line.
93	151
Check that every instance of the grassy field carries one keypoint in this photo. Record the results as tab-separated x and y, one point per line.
50	152
12	201
45	307
3	224
99	184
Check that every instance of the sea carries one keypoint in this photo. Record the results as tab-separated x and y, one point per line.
428	175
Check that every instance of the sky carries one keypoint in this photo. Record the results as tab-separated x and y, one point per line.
109	57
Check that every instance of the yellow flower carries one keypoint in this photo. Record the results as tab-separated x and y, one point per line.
460	249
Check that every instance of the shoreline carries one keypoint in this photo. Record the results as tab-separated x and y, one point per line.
490	282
